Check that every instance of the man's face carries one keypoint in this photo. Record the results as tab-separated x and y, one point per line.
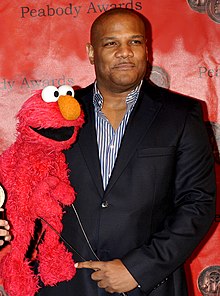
119	52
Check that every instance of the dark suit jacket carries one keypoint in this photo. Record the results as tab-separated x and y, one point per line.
159	202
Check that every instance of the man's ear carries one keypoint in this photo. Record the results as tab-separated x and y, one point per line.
90	52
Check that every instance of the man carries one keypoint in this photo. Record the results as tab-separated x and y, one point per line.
143	172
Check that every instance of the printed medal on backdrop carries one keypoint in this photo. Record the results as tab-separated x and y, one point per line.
210	7
209	281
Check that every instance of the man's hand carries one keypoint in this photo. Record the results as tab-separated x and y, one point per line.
4	231
112	276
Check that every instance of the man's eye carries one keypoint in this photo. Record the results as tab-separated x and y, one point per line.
109	44
136	42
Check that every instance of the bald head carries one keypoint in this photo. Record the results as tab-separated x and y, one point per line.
100	20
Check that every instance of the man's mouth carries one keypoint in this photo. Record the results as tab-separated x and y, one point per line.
56	134
124	66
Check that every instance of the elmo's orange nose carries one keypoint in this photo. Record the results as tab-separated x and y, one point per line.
69	107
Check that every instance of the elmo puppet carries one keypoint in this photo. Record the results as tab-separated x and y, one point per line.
34	174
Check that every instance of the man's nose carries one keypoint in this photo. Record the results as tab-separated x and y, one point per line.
124	51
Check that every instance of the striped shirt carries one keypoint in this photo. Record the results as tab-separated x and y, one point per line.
108	139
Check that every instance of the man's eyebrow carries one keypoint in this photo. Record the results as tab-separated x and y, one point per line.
115	37
108	38
137	36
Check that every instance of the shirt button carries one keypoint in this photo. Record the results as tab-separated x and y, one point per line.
104	204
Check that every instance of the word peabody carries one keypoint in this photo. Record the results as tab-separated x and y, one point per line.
209	72
50	11
74	10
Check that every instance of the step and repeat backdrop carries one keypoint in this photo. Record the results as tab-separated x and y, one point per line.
43	43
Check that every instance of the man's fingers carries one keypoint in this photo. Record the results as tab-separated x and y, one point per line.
95	265
4	232
7	239
4	223
102	285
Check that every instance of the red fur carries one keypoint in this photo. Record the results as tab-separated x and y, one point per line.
34	174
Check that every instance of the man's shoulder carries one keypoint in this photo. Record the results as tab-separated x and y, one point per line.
169	97
81	93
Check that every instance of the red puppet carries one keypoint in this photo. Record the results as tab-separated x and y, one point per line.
34	174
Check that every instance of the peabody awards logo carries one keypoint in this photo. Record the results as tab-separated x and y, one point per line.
159	77
210	7
209	281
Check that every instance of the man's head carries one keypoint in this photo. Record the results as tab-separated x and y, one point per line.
118	49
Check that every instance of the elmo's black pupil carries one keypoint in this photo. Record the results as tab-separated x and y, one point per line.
69	93
56	94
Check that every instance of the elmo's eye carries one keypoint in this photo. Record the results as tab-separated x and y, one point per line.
66	90
50	94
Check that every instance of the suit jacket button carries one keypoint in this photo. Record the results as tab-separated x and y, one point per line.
104	204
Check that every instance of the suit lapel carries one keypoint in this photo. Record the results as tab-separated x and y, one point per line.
88	144
139	122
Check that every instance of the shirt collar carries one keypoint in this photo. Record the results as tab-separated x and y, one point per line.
130	99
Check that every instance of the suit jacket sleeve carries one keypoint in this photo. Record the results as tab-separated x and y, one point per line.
192	214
